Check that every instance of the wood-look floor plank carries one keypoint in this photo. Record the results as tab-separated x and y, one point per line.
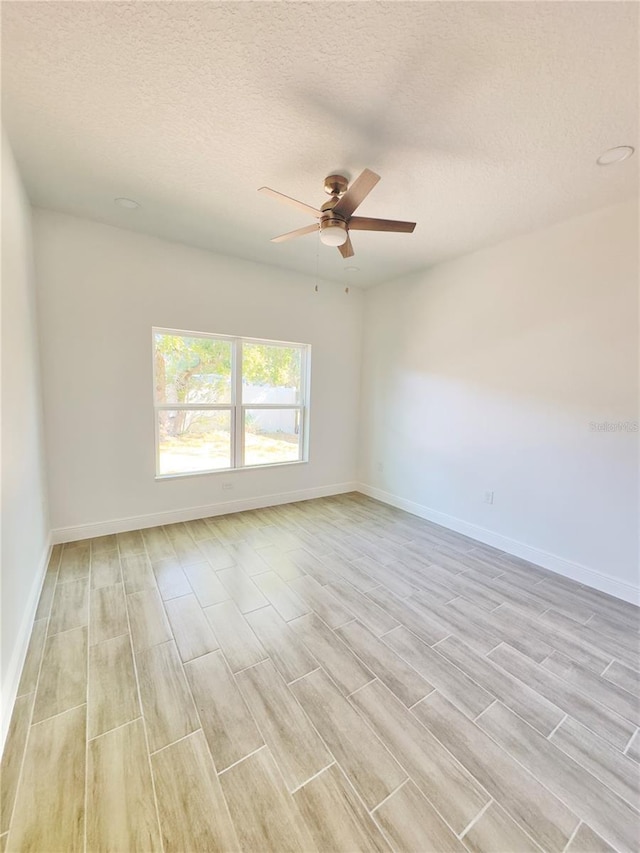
264	814
105	568
239	644
623	676
280	540
605	811
192	808
191	629
280	595
248	558
438	671
581	707
130	543
401	678
186	549
534	808
633	749
108	613
242	590
384	576
12	756
587	841
368	764
470	619
228	725
627	651
309	564
531	706
496	832
46	596
473	631
31	667
75	562
199	529
166	699
63	677
520	627
217	556
206	584
70	608
101	544
137	573
157	544
121	810
411	615
348	672
280	562
113	691
336	817
149	625
322	601
412	824
349	572
281	643
598	688
598	602
373	617
292	740
614	769
170	577
442	779
49	808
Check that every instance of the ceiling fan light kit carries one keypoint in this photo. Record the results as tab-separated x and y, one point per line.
335	217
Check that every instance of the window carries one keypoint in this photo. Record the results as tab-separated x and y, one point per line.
223	402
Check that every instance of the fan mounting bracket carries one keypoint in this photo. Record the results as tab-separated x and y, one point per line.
335	184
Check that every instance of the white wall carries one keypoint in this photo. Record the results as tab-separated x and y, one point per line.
486	372
100	290
24	521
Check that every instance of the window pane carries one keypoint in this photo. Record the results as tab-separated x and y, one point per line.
271	435
271	374
192	370
192	440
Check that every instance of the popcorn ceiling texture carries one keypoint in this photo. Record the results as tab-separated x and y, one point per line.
484	119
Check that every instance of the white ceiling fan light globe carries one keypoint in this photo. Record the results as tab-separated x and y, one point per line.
334	235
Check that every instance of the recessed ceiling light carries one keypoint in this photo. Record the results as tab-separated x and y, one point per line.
615	155
352	269
129	203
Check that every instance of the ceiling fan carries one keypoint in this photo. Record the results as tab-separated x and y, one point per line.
336	215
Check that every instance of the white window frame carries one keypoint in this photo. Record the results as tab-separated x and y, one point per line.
236	407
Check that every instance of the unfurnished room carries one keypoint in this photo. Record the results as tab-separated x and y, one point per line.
320	449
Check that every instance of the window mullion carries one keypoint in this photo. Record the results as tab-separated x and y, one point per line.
238	454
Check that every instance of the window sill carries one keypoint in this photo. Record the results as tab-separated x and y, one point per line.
161	477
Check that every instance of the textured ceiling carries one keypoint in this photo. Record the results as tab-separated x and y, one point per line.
484	119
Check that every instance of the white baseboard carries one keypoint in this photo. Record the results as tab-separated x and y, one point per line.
138	522
559	565
19	652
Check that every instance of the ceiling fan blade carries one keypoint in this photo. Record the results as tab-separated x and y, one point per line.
292	201
297	233
363	223
346	250
356	193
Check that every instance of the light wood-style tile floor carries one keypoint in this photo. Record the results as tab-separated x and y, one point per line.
333	675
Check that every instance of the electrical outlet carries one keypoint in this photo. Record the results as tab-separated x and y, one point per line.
227	486
488	497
